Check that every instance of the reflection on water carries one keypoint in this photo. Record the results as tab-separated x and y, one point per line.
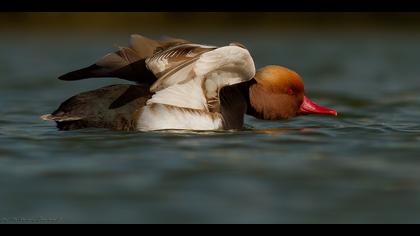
275	131
359	167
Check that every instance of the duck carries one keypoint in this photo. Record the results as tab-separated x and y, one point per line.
180	85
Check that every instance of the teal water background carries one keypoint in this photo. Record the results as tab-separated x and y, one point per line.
362	166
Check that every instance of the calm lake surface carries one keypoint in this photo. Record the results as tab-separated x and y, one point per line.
363	166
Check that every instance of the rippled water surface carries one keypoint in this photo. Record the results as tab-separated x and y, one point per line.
360	167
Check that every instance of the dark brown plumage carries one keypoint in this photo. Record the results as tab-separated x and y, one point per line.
113	107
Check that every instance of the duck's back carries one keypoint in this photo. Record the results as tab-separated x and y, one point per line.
114	107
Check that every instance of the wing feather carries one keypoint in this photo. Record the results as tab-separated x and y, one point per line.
197	85
168	65
126	63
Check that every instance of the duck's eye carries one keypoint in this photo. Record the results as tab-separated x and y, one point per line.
290	91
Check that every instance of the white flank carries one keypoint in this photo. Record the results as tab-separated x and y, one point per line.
163	117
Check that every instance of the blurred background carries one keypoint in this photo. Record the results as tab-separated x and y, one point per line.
361	167
153	21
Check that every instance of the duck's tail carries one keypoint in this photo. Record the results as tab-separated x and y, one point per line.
57	118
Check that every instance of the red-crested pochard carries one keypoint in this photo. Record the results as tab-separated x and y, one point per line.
182	85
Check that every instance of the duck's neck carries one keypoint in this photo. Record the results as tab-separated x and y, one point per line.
245	89
256	106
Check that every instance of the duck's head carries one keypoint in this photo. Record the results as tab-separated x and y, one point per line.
279	93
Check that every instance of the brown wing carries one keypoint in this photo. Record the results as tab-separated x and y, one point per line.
113	107
167	64
126	63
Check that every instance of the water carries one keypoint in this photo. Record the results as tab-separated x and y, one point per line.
360	167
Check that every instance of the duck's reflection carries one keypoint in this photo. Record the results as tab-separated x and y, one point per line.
277	131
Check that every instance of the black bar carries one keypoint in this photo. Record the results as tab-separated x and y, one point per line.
208	5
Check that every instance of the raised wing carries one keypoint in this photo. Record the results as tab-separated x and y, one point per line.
173	65
197	84
126	63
